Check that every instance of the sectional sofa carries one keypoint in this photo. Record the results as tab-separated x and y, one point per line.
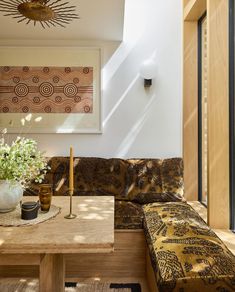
182	252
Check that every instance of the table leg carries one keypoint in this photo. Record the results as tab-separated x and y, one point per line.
52	273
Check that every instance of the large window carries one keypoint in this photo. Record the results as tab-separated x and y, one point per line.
232	111
202	109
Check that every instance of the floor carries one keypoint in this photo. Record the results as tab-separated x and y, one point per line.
31	285
227	236
141	281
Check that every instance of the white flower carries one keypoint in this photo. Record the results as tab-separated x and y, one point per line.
21	161
38	119
28	117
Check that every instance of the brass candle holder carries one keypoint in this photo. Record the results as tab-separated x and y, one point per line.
70	215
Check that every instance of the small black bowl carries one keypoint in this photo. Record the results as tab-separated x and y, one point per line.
29	210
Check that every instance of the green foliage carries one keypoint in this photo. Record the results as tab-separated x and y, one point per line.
22	161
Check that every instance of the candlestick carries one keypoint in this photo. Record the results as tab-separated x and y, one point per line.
71	186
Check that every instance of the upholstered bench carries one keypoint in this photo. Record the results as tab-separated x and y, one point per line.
133	182
186	254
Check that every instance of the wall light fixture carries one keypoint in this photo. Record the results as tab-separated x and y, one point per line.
148	71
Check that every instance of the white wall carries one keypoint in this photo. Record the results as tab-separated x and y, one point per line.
137	122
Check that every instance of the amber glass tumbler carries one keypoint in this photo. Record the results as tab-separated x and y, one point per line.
45	196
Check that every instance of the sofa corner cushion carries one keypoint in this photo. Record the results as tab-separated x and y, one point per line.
128	215
144	180
186	254
172	176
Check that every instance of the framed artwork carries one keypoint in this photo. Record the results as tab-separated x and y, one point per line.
60	87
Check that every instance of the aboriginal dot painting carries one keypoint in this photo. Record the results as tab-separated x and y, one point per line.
46	89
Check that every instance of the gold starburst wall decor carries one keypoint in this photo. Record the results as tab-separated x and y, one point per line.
46	12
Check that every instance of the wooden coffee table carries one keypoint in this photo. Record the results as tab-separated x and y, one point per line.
46	243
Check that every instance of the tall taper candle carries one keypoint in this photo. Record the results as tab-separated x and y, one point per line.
71	186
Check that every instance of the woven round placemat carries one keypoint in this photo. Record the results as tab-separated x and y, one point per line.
13	218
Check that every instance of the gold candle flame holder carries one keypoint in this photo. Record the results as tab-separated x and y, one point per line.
71	215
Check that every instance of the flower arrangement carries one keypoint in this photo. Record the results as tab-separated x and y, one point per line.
21	161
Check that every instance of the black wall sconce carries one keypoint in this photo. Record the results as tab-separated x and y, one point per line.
148	70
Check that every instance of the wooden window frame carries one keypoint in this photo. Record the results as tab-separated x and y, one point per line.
218	198
232	112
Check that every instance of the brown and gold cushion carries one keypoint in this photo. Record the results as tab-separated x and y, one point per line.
91	175
137	180
144	180
128	215
186	254
103	176
172	179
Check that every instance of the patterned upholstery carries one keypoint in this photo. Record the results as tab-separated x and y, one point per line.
103	176
97	176
186	254
144	180
128	215
172	179
138	181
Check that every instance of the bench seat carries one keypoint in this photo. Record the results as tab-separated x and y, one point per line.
128	215
186	254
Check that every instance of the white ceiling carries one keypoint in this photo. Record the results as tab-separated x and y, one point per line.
99	20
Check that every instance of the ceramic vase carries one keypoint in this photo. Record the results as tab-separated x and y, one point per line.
11	194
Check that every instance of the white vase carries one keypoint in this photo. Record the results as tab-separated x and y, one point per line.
11	194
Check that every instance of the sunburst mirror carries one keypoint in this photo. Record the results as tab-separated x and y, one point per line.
46	12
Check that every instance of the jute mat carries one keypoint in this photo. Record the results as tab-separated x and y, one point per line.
13	218
31	285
